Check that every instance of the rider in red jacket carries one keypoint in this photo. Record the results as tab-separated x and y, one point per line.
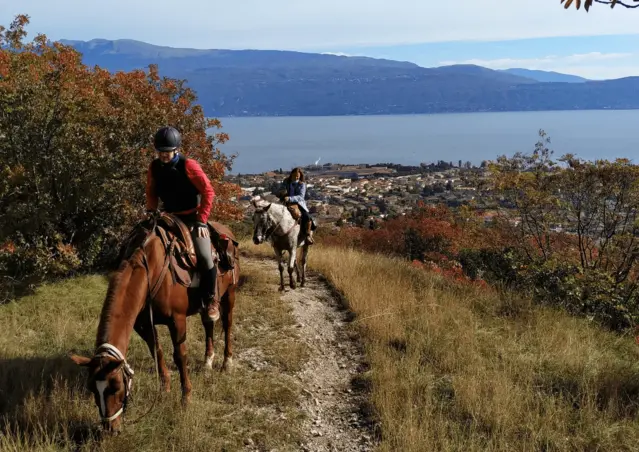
186	192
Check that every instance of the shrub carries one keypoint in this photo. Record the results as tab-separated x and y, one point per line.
76	144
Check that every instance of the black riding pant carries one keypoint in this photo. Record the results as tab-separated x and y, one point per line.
306	217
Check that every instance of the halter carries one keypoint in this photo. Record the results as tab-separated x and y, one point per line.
108	350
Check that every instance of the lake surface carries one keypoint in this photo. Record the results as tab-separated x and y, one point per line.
266	143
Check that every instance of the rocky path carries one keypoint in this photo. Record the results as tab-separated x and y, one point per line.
333	400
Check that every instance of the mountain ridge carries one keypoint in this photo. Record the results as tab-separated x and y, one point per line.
290	83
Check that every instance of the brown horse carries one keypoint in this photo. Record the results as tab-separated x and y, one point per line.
153	287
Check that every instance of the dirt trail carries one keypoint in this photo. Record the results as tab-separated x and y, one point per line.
333	403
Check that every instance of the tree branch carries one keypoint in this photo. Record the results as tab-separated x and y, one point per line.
610	2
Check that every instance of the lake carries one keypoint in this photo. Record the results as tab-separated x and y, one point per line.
266	143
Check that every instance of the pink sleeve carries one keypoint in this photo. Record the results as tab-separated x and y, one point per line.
197	176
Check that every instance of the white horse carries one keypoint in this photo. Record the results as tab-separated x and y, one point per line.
274	223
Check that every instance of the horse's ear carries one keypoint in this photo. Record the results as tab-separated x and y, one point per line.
267	206
80	360
112	365
255	200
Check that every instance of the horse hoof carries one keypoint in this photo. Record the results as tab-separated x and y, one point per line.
208	363
227	365
280	289
186	400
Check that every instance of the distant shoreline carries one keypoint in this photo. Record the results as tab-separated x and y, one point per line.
222	118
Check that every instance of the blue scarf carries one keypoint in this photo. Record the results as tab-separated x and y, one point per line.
291	191
173	161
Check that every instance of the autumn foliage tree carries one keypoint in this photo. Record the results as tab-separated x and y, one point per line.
75	146
575	224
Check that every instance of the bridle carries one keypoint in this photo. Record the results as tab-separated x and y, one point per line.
108	350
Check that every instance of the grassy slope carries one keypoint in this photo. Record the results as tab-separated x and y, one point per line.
44	407
457	368
452	368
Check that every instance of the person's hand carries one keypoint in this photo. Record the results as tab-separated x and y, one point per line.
286	198
202	230
148	215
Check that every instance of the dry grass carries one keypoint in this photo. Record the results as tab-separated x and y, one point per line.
457	368
44	406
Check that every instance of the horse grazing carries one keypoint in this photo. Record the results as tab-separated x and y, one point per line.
157	283
274	223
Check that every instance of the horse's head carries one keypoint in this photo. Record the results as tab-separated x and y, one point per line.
262	220
110	380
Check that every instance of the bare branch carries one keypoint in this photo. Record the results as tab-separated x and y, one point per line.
613	2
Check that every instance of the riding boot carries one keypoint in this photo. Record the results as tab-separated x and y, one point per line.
211	302
309	231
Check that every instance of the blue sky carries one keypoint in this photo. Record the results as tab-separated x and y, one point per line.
536	34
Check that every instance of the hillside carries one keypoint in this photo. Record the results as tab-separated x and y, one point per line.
275	398
283	83
545	76
317	367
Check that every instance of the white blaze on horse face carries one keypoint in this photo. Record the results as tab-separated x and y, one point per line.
101	385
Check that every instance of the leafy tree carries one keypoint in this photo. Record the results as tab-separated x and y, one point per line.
76	145
577	224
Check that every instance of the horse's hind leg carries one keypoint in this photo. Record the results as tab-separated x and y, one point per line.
304	260
228	302
292	256
280	267
209	353
178	337
154	346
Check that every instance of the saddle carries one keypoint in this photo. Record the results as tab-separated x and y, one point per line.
295	211
176	238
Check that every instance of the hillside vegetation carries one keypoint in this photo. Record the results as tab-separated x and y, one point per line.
457	367
76	145
450	367
45	405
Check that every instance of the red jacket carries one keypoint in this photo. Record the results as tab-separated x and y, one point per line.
177	184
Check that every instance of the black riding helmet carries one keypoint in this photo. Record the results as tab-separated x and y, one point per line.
167	139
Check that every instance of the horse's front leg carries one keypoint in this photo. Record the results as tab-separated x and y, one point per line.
292	256
304	260
178	337
209	353
228	302
150	337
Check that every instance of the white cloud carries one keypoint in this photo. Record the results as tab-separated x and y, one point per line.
593	65
295	24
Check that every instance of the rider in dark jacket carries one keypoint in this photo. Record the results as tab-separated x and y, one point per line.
186	192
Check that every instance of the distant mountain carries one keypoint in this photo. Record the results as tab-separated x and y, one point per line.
545	76
480	71
284	83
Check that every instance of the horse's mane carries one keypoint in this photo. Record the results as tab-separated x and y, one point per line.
131	243
129	256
